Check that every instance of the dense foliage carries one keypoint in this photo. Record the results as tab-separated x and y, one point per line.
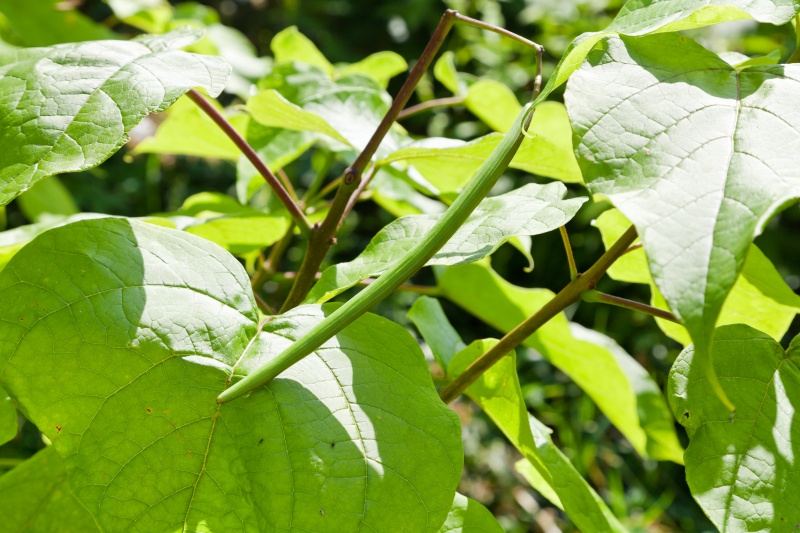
171	343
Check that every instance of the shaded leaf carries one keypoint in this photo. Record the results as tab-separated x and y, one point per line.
469	516
166	321
8	418
530	210
684	145
740	467
53	124
429	318
35	497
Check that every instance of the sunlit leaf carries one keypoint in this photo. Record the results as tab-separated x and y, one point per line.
760	297
52	123
498	393
685	146
290	45
468	516
641	17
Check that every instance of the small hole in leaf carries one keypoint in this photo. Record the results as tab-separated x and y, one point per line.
687	414
260	442
333	444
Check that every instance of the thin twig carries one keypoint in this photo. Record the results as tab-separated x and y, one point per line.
568	295
601	297
573	269
450	101
287	183
294	210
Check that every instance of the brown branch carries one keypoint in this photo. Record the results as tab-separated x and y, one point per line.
568	295
294	210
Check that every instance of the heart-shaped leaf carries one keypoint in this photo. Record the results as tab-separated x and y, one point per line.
116	337
68	107
686	147
741	468
530	210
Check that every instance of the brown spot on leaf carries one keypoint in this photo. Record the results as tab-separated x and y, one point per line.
260	442
148	410
59	427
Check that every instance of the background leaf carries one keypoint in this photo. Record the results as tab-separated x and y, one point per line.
8	418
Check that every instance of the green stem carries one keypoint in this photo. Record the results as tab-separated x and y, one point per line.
454	217
291	206
568	296
573	269
601	297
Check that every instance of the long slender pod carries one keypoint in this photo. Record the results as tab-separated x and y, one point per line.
475	191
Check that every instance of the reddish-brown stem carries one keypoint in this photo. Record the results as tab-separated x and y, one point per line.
568	296
601	297
291	206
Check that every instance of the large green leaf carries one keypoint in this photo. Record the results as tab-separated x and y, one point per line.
641	17
116	337
448	163
529	210
760	297
68	107
468	516
35	497
619	386
498	393
429	318
8	418
741	468
684	145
